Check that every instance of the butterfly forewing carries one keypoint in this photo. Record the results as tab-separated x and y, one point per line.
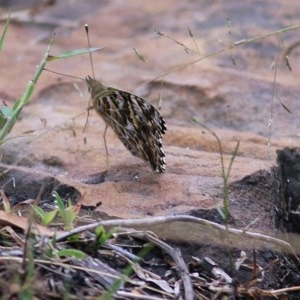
135	121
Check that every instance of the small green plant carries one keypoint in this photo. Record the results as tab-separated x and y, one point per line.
71	253
27	275
46	217
5	202
102	235
9	116
5	112
225	172
67	214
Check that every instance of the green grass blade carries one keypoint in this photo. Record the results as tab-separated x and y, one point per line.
19	104
49	217
67	213
2	38
71	253
39	211
60	206
72	53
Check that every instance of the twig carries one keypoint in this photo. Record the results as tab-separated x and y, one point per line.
135	296
255	291
221	229
121	251
176	255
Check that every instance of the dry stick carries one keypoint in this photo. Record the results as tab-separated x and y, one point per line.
26	254
121	251
270	123
176	255
92	263
182	218
68	266
136	296
255	291
282	291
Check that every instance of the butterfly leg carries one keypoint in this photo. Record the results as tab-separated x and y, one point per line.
87	119
104	138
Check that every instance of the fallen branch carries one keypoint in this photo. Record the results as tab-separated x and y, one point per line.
218	229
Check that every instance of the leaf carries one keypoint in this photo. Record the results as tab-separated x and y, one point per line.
58	200
39	211
71	213
99	230
139	55
71	53
49	217
71	253
7	112
221	212
287	62
163	284
5	202
46	218
286	108
2	121
67	214
158	32
102	234
22	223
190	32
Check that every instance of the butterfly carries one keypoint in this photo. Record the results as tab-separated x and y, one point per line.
136	122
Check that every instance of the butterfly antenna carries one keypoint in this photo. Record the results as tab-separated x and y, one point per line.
66	75
86	26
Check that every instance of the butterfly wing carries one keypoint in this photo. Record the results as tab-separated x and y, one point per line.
135	121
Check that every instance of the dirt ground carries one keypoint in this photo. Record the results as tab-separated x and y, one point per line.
225	64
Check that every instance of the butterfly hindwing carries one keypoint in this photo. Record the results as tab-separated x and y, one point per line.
135	121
